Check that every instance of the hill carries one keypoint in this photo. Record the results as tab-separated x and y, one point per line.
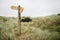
40	28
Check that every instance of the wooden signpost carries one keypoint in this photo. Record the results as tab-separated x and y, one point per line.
20	10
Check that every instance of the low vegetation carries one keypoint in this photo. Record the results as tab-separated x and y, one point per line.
40	28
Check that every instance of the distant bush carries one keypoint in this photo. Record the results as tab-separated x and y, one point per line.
58	14
26	19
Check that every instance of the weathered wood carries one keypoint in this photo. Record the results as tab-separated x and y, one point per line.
19	19
16	8
20	10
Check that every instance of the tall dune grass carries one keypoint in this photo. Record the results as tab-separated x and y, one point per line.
41	28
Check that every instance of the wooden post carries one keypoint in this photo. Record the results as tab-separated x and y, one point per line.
20	10
19	19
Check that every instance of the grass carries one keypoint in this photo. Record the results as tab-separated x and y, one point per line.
40	28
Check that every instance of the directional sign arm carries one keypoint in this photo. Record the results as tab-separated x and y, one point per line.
21	9
16	8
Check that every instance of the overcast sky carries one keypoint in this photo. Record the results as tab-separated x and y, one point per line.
33	8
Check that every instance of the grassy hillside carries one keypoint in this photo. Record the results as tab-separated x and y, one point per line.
40	28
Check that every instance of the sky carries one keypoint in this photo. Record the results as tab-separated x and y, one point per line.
32	8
